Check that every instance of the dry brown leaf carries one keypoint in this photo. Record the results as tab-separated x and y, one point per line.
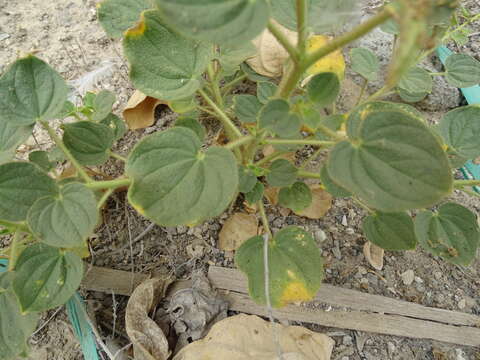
271	193
374	255
271	55
270	149
321	203
140	110
149	342
246	337
236	230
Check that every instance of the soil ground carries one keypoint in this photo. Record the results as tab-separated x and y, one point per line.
66	34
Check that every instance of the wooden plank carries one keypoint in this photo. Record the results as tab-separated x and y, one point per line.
110	280
234	280
355	320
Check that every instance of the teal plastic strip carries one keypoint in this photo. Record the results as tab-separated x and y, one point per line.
470	170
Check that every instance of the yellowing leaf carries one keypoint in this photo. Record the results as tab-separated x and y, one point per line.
321	203
334	62
140	110
374	255
236	230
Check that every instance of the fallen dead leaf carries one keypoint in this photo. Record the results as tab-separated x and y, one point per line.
271	193
140	110
374	255
236	230
321	203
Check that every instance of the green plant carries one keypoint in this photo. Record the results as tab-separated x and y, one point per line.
190	54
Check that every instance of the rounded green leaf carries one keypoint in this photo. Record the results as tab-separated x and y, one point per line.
265	91
323	89
116	124
331	186
251	74
40	158
390	231
12	136
365	63
282	173
246	179
192	124
392	161
163	64
246	108
416	81
30	90
295	267
276	116
117	16
88	142
295	197
452	233
461	130
46	277
102	105
462	70
15	327
216	21
255	194
232	55
64	220
411	97
21	184
175	182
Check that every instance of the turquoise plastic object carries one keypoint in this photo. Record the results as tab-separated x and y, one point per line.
470	170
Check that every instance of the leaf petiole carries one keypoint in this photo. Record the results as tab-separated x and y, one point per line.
109	184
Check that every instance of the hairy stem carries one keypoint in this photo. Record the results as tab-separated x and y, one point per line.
283	40
299	142
239	142
310	158
109	184
328	132
270	157
214	82
308	174
104	198
117	156
302	26
228	86
362	91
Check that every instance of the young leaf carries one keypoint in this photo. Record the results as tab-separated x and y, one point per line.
246	179
46	277
30	90
102	105
15	327
276	116
462	70
246	108
40	158
392	160
192	124
117	16
390	231
461	130
332	187
170	69
255	194
116	124
365	63
64	220
282	173
216	21
451	233
323	89
415	81
295	267
21	184
411	97
296	197
265	91
176	183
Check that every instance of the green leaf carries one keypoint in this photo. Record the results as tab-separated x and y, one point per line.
252	75
461	130
247	179
295	267
282	173
462	70
265	91
183	106
392	161
255	194
246	108
30	90
64	220
88	142
102	105
192	124
12	136
21	184
323	89
46	277
365	63
295	197
276	116
216	21
390	231
163	64
331	186
451	233
116	124
15	327
416	80
175	182
332	122
411	97
390	27
40	158
232	55
117	16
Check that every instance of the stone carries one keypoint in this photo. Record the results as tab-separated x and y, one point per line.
462	304
408	277
347	340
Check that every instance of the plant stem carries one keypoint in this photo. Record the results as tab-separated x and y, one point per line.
299	142
362	205
68	154
302	26
16	225
308	174
208	111
108	184
438	73
362	91
12	261
117	156
270	157
104	198
239	142
261	209
458	184
283	40
226	88
328	132
311	158
216	89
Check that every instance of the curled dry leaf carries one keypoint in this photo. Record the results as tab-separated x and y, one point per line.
236	230
374	255
140	110
245	337
149	342
321	203
271	55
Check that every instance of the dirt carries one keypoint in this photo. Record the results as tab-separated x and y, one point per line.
65	33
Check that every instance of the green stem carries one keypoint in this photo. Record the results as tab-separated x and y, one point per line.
448	34
208	111
239	142
302	26
270	157
214	82
311	158
117	156
438	73
68	154
263	215
283	40
382	92
16	225
328	132
104	198
109	184
299	142
290	81
462	183
362	205
308	174
228	86
362	92
12	261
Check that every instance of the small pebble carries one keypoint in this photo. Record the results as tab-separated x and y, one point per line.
347	340
462	304
320	235
437	275
344	221
408	277
350	231
391	348
418	280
